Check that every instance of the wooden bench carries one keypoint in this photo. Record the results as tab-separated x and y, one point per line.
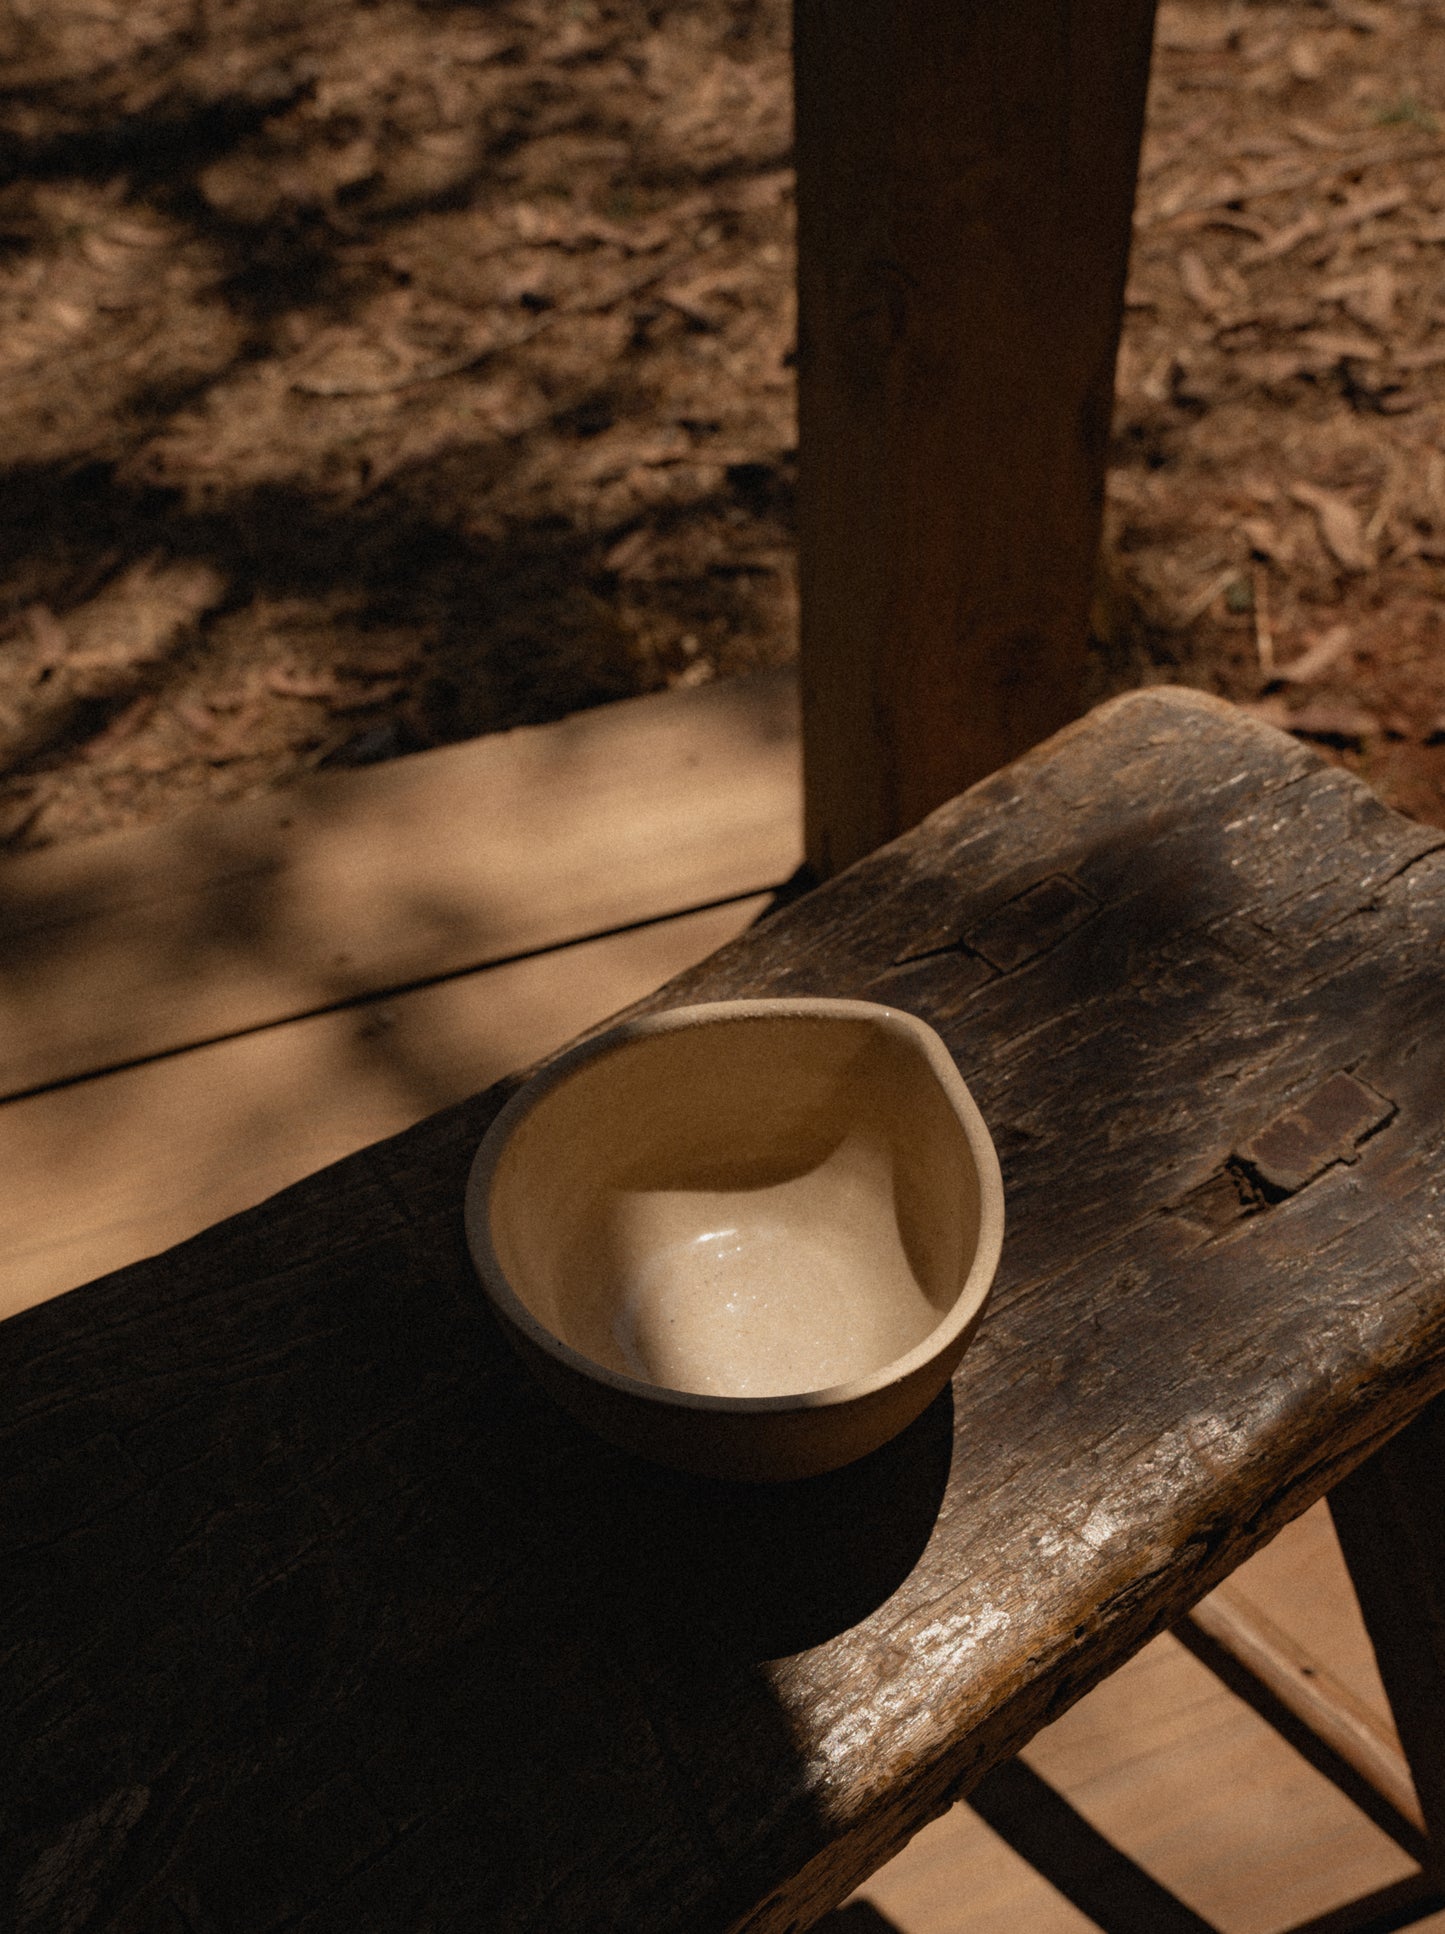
318	1616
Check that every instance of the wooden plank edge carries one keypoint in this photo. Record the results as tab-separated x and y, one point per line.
375	996
103	1173
1307	1706
233	839
357	885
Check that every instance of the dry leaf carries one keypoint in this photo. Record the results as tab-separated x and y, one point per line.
1315	136
1263	628
1333	718
287	683
1369	298
356	693
1340	525
1216	190
202	721
1306	57
1426	358
1314	662
1284	239
1199	285
1364	208
1262	535
1335	346
1204	595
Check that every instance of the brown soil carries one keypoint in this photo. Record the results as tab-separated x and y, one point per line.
378	375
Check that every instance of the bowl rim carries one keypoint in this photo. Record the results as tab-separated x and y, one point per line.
964	1311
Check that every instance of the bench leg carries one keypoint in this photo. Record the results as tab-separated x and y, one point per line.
1390	1517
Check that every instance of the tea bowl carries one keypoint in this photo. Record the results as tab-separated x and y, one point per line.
749	1239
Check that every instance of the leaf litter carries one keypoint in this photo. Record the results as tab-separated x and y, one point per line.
375	376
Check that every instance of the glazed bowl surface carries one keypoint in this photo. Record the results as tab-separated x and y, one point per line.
749	1239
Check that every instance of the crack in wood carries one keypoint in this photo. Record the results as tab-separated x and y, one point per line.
1224	1199
1033	923
959	947
1024	928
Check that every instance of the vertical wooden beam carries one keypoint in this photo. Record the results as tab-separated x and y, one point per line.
966	174
1390	1517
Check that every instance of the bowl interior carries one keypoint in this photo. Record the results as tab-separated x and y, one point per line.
744	1207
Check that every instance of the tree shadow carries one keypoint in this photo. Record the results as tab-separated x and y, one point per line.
297	170
491	631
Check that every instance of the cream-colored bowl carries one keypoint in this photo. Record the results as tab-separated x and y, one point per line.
749	1239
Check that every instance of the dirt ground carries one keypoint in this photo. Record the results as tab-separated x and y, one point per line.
376	375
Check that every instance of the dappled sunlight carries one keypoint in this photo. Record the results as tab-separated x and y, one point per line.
103	1172
453	342
355	883
357	953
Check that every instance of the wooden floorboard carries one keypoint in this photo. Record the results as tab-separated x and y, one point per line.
355	883
102	1172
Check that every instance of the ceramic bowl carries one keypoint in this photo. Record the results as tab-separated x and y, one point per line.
749	1239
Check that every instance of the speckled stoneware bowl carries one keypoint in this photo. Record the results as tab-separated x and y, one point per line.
750	1239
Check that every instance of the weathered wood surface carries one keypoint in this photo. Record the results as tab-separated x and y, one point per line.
965	186
1113	1865
318	1617
353	884
1181	1775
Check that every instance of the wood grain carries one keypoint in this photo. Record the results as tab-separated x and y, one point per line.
317	1616
359	883
1184	1777
965	185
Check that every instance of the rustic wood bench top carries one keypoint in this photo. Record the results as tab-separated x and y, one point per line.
318	1617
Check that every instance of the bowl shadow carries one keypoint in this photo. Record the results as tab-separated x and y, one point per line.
736	1573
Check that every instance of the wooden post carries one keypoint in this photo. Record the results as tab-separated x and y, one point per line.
966	174
1390	1516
